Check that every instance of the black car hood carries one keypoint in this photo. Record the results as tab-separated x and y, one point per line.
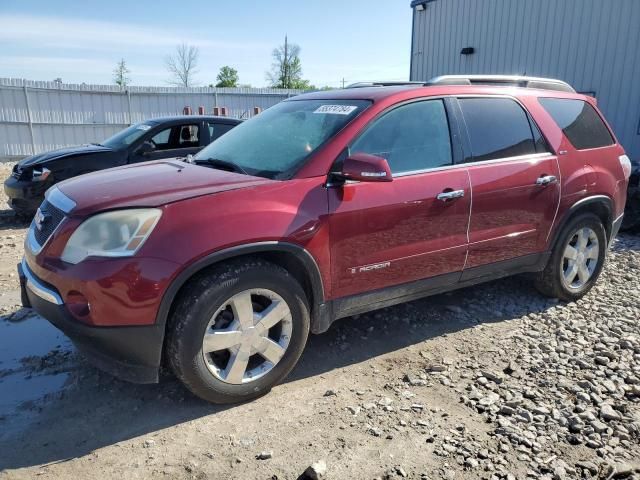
42	158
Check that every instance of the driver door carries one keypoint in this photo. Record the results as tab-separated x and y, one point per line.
385	235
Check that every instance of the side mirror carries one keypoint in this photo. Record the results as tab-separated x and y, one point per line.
363	167
145	149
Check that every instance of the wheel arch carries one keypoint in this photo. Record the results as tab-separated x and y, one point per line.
294	258
600	205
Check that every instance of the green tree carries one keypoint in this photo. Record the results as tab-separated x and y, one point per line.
228	77
121	74
286	69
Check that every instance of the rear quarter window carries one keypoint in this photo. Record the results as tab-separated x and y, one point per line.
579	121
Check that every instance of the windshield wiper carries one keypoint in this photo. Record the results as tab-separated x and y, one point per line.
222	164
98	144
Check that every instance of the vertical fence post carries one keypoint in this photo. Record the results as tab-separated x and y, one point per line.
129	107
215	97
29	119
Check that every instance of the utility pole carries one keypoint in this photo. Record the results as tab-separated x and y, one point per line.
343	82
286	82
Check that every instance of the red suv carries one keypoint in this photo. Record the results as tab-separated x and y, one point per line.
324	206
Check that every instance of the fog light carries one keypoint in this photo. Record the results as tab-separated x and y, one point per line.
78	305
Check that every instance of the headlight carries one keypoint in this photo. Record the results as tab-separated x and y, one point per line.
40	174
113	234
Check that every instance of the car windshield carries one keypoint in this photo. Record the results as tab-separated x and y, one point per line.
127	136
283	137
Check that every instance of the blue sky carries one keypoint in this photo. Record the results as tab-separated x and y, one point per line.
81	41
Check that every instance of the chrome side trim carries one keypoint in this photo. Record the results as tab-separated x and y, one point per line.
59	200
37	288
533	156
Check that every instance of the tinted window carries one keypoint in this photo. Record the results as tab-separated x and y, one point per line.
218	129
579	121
498	128
411	137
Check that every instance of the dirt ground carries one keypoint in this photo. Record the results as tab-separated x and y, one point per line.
490	382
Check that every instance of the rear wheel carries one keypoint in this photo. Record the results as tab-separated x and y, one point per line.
238	331
576	260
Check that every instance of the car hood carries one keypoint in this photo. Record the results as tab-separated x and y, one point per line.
45	157
150	184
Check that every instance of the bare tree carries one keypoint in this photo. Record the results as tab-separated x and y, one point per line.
121	74
182	65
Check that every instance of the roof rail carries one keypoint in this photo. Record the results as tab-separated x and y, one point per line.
503	80
383	84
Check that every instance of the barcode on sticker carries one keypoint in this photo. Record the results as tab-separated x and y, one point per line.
336	109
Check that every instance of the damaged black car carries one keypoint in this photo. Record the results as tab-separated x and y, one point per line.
149	140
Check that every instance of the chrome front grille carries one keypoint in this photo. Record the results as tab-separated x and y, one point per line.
46	220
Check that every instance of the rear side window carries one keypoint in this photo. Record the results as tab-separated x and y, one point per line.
498	128
579	121
411	137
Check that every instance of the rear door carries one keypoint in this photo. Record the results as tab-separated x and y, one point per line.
387	234
515	182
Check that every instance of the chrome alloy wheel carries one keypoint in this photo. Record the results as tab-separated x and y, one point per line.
247	336
580	258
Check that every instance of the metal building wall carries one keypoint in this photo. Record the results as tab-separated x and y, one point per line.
40	116
592	44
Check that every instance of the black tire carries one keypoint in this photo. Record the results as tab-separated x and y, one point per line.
549	281
200	300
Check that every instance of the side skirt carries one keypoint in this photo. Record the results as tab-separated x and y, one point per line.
386	297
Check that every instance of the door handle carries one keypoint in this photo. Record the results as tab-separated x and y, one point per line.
546	180
450	195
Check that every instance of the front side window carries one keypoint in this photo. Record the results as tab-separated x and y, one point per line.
579	121
411	137
498	128
178	136
280	139
161	139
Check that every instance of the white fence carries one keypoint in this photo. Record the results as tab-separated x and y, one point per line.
39	116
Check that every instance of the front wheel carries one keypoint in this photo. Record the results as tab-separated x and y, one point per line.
576	261
237	331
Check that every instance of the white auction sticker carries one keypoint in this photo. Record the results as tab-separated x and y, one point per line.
336	109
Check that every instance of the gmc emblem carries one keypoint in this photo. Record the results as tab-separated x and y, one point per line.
40	219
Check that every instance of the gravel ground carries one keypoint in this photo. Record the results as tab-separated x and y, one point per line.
491	382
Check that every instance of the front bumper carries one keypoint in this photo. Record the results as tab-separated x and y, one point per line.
25	196
131	353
